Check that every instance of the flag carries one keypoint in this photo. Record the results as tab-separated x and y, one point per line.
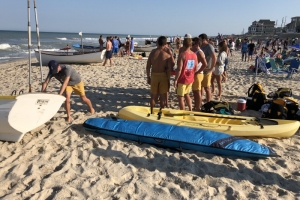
80	33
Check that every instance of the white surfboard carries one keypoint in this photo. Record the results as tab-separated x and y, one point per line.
23	113
103	52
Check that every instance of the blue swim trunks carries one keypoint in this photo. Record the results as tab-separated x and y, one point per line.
115	50
250	53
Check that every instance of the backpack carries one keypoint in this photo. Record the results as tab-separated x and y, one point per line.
277	110
256	87
257	97
217	107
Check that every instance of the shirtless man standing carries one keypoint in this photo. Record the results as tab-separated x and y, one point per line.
101	43
162	61
108	53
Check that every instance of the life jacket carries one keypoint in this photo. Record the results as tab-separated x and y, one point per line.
292	108
256	97
277	110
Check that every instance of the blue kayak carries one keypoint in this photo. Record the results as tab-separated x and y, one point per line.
179	137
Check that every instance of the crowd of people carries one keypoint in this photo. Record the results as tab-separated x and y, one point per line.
198	67
114	47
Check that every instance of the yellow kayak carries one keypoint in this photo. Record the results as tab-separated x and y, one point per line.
230	124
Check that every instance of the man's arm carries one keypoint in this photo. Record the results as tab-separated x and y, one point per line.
213	60
64	85
179	68
171	61
202	60
45	84
148	68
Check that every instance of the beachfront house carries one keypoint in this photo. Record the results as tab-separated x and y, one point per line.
293	26
262	27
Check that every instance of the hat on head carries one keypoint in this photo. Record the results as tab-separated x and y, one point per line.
188	36
203	36
53	67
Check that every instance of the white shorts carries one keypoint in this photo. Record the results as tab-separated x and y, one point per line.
219	70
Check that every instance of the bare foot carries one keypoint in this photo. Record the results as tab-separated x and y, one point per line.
91	112
69	119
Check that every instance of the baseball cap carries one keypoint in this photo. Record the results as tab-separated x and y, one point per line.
53	67
203	36
188	36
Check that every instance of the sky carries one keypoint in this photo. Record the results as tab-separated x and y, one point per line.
142	17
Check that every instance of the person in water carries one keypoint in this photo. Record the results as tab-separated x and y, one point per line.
71	81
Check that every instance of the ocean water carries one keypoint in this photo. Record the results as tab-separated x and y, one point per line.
14	44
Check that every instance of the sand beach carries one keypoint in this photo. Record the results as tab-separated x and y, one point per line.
64	161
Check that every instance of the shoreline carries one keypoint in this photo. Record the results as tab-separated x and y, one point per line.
59	160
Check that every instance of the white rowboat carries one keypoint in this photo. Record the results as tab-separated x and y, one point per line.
71	57
144	48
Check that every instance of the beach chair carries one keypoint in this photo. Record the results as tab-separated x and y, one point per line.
274	67
280	63
261	65
284	54
293	68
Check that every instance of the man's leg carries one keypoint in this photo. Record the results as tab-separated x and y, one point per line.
181	102
167	100
88	103
212	83
162	99
197	99
68	106
208	94
188	101
153	102
110	61
105	62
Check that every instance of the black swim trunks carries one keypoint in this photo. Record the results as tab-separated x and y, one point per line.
108	54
